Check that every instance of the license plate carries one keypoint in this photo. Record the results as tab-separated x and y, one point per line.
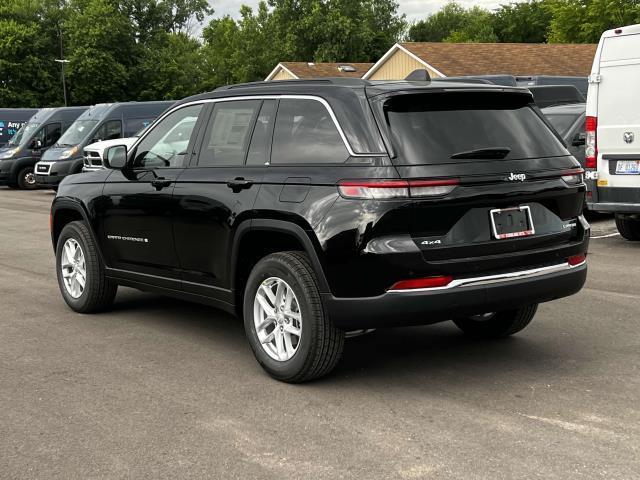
628	167
512	222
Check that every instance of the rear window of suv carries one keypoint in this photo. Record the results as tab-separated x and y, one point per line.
432	128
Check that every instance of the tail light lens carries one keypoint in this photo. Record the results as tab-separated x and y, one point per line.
428	282
389	189
577	260
573	177
591	143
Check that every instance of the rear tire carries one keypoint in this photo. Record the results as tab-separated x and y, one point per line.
318	347
501	324
27	179
98	292
628	228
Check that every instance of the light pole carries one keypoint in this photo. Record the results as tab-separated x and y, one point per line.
64	86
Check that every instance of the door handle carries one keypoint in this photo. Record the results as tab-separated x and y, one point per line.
239	183
160	182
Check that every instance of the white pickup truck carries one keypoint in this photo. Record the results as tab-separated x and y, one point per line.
93	153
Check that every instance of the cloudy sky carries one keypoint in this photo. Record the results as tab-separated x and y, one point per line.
413	9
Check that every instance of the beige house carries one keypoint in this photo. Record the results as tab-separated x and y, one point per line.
296	70
461	59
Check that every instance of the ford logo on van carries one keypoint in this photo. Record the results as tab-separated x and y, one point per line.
517	177
628	137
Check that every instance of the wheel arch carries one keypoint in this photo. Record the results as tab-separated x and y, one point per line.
64	211
19	164
256	238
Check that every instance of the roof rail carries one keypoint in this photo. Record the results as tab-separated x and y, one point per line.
327	81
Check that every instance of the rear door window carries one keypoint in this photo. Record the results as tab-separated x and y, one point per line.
305	133
228	133
434	128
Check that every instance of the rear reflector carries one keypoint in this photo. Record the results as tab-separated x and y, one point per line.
577	260
388	189
429	282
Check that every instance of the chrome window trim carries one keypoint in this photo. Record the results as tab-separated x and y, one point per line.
265	97
503	277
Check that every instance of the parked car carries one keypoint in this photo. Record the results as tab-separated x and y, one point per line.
580	83
613	128
93	154
22	152
570	122
11	119
549	95
105	121
315	207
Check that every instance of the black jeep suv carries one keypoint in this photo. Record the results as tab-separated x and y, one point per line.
316	207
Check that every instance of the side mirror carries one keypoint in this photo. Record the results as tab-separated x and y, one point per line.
115	157
579	140
36	144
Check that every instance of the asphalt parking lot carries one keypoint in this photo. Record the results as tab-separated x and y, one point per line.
159	388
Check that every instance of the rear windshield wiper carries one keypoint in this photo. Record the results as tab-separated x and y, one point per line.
491	152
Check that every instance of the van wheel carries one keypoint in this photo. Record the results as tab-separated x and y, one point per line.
81	275
496	324
285	322
27	179
628	228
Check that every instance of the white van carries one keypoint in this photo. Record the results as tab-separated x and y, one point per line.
613	128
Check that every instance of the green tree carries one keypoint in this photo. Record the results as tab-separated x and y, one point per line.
440	25
454	23
583	21
101	50
526	22
28	74
477	28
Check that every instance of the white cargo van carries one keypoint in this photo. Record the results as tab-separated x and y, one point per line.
613	128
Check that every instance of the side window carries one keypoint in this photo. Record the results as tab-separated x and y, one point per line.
109	131
166	144
52	134
260	146
227	135
134	125
305	133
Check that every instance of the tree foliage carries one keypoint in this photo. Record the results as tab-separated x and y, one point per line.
161	49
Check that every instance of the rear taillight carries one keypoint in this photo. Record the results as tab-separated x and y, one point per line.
417	283
577	260
573	177
389	189
591	143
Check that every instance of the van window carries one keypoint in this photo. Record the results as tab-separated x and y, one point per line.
434	128
305	133
134	125
77	132
108	131
259	149
23	134
51	134
227	135
167	142
562	121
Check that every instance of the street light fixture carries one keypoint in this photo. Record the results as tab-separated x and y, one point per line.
64	86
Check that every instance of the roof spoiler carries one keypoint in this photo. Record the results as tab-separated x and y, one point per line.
419	75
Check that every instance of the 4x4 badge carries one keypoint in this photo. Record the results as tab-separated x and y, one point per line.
517	177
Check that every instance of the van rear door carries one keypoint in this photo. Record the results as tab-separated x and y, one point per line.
618	112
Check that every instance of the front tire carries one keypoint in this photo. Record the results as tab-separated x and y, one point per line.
81	274
498	324
628	228
286	325
27	179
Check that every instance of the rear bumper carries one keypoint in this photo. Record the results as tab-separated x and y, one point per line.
465	297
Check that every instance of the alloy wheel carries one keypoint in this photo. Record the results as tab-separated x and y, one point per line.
74	269
277	319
